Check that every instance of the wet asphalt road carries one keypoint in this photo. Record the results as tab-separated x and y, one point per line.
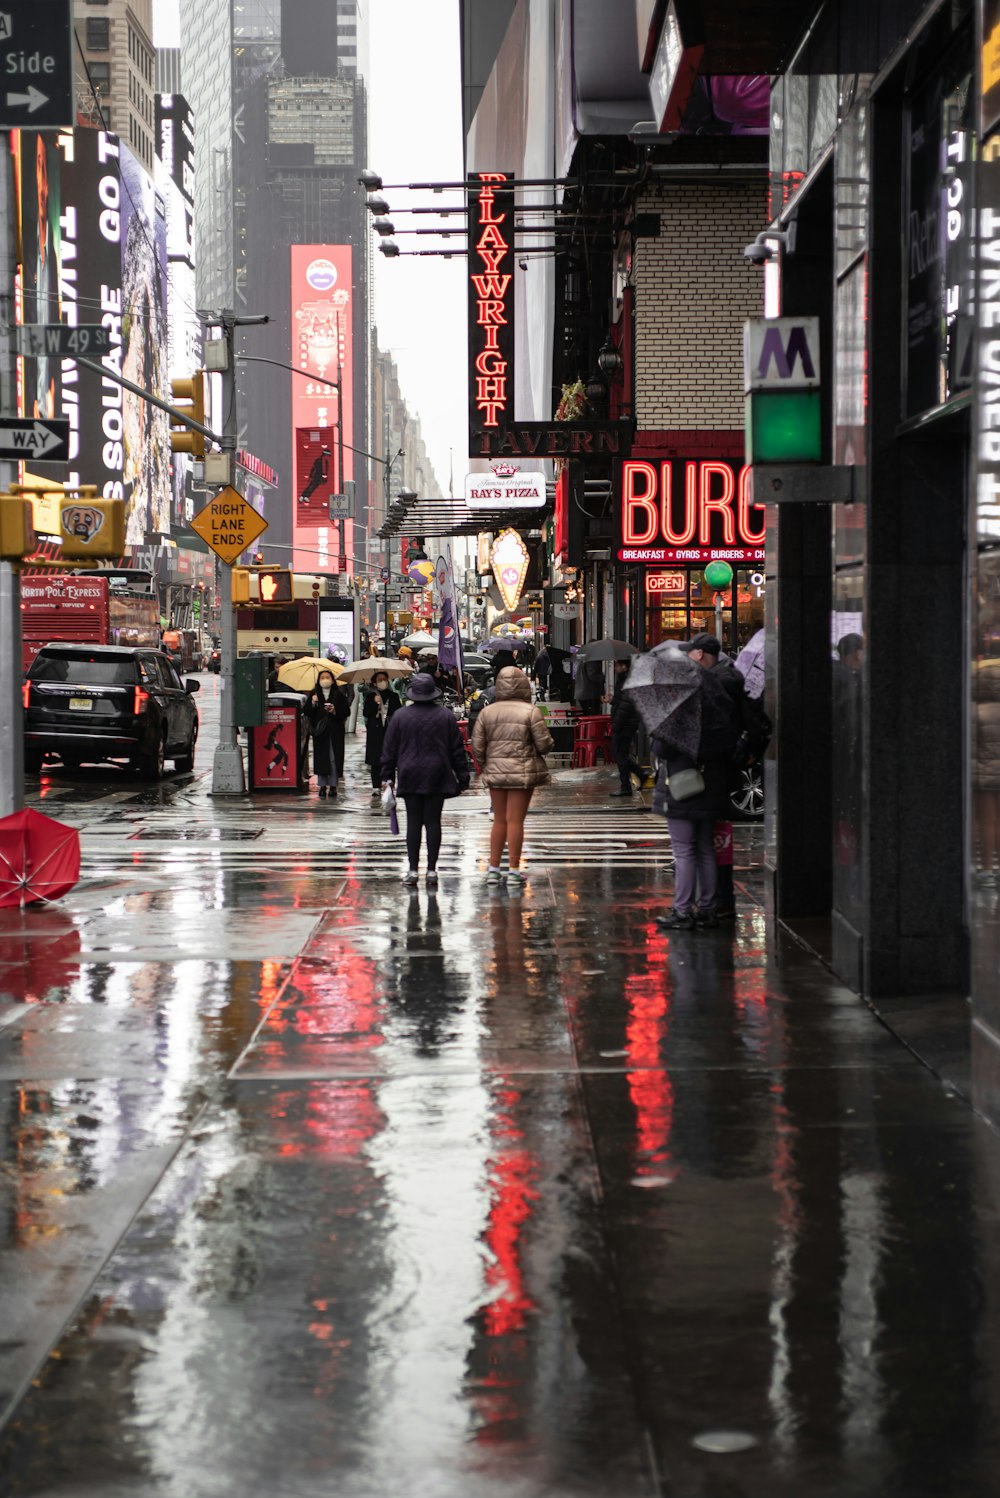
315	1186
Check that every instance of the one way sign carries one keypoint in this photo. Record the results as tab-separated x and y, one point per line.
36	64
32	438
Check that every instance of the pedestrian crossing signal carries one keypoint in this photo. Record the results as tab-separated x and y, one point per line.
275	585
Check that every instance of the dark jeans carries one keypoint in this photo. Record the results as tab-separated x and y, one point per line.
621	748
694	863
423	813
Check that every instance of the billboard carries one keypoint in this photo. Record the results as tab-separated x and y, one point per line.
93	225
322	344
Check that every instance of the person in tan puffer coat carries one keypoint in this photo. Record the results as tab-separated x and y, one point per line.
510	741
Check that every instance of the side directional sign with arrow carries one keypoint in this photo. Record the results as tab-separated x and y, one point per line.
36	64
30	438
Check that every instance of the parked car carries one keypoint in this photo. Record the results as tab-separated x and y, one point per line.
88	703
747	799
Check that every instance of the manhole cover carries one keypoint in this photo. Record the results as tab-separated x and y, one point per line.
197	834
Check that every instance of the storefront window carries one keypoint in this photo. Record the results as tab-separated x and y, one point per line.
680	604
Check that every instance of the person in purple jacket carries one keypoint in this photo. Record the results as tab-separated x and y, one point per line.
424	756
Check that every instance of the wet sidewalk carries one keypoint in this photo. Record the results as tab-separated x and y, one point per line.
317	1186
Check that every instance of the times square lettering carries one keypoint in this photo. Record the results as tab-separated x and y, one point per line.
492	244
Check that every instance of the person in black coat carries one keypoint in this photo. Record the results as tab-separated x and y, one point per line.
424	755
328	711
379	705
692	820
624	727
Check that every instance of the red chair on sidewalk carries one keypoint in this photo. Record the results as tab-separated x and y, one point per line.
592	737
463	725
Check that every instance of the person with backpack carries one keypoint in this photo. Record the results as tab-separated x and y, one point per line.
692	810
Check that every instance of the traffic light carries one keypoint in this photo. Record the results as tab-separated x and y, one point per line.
17	530
275	585
188	396
91	527
241	585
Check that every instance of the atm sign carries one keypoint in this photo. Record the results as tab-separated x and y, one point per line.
666	582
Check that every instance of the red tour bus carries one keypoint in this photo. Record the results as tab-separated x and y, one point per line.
84	610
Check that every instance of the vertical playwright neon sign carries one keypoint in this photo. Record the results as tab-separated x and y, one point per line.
491	303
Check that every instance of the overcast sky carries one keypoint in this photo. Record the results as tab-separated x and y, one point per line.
415	135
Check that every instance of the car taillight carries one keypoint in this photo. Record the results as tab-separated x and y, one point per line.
140	700
26	693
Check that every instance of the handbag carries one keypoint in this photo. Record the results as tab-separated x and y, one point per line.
389	807
685	784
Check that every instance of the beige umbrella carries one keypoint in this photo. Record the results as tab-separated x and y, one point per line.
372	666
301	675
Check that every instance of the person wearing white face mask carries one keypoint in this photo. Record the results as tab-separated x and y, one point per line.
328	711
379	705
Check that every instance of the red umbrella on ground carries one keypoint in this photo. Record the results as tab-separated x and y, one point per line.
39	858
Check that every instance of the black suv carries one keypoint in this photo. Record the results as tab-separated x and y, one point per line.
98	702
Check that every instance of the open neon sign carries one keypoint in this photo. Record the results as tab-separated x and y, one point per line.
672	510
491	303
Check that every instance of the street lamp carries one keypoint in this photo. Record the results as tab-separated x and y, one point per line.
370	181
376	204
383	226
389	248
404	499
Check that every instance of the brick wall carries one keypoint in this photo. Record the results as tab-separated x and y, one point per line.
693	290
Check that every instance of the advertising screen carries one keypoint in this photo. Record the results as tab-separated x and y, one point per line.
94	235
322	344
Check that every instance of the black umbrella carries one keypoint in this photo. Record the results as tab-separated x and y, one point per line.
665	687
606	650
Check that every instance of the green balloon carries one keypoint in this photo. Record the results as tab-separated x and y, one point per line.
718	574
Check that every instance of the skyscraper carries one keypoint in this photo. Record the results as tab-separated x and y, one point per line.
282	129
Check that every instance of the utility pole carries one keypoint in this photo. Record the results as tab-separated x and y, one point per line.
11	711
228	778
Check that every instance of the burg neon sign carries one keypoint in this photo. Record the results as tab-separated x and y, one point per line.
491	304
695	510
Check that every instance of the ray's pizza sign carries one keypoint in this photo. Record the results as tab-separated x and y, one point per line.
680	510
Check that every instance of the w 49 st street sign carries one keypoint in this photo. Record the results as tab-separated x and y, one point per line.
36	64
59	341
28	438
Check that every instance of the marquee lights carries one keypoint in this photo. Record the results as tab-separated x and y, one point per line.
509	559
491	302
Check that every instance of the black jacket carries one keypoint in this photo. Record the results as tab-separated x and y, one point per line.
624	714
424	752
715	755
327	729
373	719
754	726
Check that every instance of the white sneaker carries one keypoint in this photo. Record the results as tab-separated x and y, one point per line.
516	879
493	876
411	878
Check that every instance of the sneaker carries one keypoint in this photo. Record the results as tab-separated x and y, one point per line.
516	879
708	921
431	879
493	876
621	792
411	878
672	920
